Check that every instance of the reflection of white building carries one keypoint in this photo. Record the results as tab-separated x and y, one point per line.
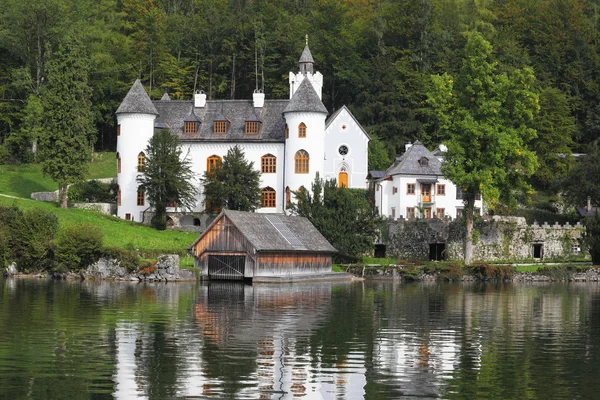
414	187
289	141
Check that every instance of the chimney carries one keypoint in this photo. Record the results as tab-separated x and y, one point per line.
259	98
407	146
199	99
589	204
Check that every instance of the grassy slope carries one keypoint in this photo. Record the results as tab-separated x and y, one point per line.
21	180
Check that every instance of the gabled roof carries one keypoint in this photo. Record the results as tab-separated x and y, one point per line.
191	118
165	97
375	175
333	116
305	99
306	56
236	112
408	163
264	236
137	101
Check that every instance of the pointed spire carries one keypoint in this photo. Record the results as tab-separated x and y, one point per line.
137	101
165	97
306	60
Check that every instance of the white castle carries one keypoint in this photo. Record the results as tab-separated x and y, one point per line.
289	141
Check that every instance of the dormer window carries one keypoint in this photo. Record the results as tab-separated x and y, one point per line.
251	127
191	124
190	127
220	127
424	162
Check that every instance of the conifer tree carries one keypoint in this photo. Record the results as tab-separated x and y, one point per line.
233	185
68	127
167	177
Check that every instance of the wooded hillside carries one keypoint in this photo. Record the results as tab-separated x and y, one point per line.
377	57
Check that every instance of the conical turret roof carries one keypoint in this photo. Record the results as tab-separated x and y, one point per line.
137	101
306	56
305	99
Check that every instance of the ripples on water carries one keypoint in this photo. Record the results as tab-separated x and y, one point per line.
375	340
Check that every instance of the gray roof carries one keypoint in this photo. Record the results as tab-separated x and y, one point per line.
235	112
263	235
137	101
584	212
376	174
165	97
305	99
408	163
306	56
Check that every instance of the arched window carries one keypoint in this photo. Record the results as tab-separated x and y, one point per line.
267	197
288	195
268	164
141	161
118	195
213	162
302	130
118	163
140	197
301	162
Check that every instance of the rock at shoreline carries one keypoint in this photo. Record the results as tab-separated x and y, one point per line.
107	268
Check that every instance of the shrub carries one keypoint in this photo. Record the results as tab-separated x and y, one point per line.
92	192
32	238
492	272
592	237
78	247
128	259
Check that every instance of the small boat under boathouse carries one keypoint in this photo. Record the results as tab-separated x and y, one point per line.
243	245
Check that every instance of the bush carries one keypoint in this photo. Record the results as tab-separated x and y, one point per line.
78	247
128	259
592	237
32	238
92	192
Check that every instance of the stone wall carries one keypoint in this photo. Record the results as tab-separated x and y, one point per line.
500	238
103	208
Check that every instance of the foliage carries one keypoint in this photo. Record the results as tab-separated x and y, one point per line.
68	132
126	258
379	158
32	234
492	271
592	237
93	191
232	185
343	216
487	116
77	247
584	180
167	176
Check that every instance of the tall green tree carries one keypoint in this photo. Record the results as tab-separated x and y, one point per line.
583	180
487	116
344	216
68	129
167	176
233	185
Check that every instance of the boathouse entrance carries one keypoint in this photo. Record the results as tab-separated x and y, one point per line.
230	267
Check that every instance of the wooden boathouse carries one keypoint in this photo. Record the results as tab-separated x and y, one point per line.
241	245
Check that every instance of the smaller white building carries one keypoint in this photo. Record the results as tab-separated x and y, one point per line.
414	187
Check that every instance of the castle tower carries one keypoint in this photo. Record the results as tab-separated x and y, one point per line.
135	127
305	137
306	64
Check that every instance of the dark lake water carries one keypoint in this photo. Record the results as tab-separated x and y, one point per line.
375	340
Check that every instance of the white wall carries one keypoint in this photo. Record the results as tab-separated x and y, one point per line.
344	130
199	152
136	131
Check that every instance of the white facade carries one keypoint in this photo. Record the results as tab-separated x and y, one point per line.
410	191
321	140
346	149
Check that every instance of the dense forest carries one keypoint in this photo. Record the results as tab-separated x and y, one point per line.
377	57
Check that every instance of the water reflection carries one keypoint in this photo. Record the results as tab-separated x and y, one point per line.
323	341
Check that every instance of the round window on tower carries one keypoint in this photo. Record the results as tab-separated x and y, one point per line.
343	150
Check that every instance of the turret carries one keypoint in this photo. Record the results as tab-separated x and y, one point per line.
135	127
306	65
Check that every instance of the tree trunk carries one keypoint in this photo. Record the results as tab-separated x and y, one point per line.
62	196
468	212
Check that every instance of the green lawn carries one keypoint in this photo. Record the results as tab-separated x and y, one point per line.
117	232
22	180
